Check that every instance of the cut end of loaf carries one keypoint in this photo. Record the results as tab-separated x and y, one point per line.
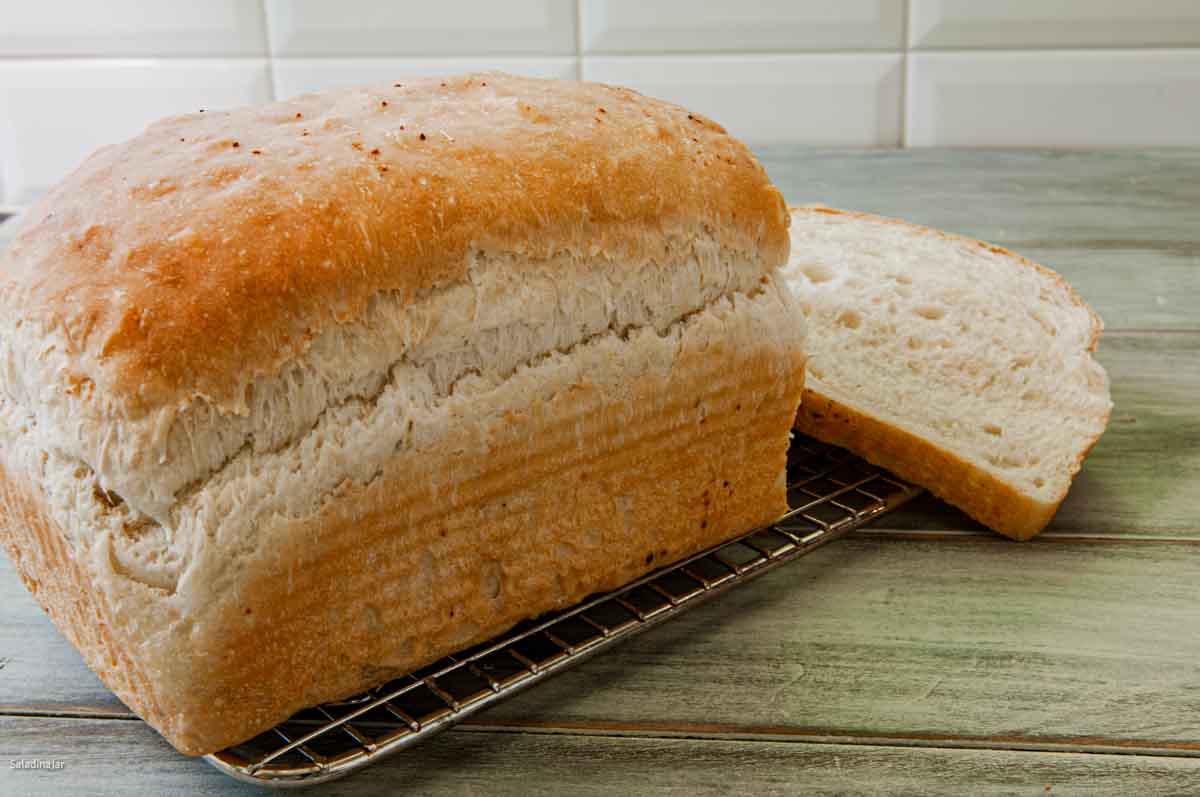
953	362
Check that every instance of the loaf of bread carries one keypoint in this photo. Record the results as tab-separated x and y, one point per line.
953	363
298	398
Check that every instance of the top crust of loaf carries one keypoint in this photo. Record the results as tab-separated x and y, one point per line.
209	251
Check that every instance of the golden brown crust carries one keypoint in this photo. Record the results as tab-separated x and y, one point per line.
211	248
702	492
997	505
41	554
393	576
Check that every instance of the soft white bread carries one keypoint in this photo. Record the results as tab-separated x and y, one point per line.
294	399
953	363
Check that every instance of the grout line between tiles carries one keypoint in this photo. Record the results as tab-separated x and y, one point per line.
720	54
1054	48
904	51
266	32
904	48
579	39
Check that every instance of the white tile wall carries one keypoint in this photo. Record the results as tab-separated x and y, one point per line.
53	113
75	74
1054	23
1057	99
635	26
297	75
850	100
438	27
126	28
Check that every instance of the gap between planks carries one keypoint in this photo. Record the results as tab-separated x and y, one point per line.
1088	745
1061	537
748	733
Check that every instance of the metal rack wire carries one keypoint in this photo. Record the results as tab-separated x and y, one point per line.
830	492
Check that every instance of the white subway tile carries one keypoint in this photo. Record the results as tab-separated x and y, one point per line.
54	113
1055	99
351	28
844	100
636	26
299	75
126	28
1056	23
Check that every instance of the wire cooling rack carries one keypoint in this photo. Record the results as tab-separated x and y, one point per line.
830	492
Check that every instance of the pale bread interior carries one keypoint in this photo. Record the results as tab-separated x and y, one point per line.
967	346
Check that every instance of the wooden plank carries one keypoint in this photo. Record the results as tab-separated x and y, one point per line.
1042	643
1143	477
118	758
1120	226
978	638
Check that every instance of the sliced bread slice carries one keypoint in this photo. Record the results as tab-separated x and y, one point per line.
955	364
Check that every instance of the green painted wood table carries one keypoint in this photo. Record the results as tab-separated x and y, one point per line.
920	655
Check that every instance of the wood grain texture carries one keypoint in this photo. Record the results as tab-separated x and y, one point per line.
977	638
106	757
1143	477
1120	226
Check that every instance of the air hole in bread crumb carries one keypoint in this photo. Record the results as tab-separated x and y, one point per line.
993	429
903	279
849	319
1003	462
1039	482
931	311
818	272
914	343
